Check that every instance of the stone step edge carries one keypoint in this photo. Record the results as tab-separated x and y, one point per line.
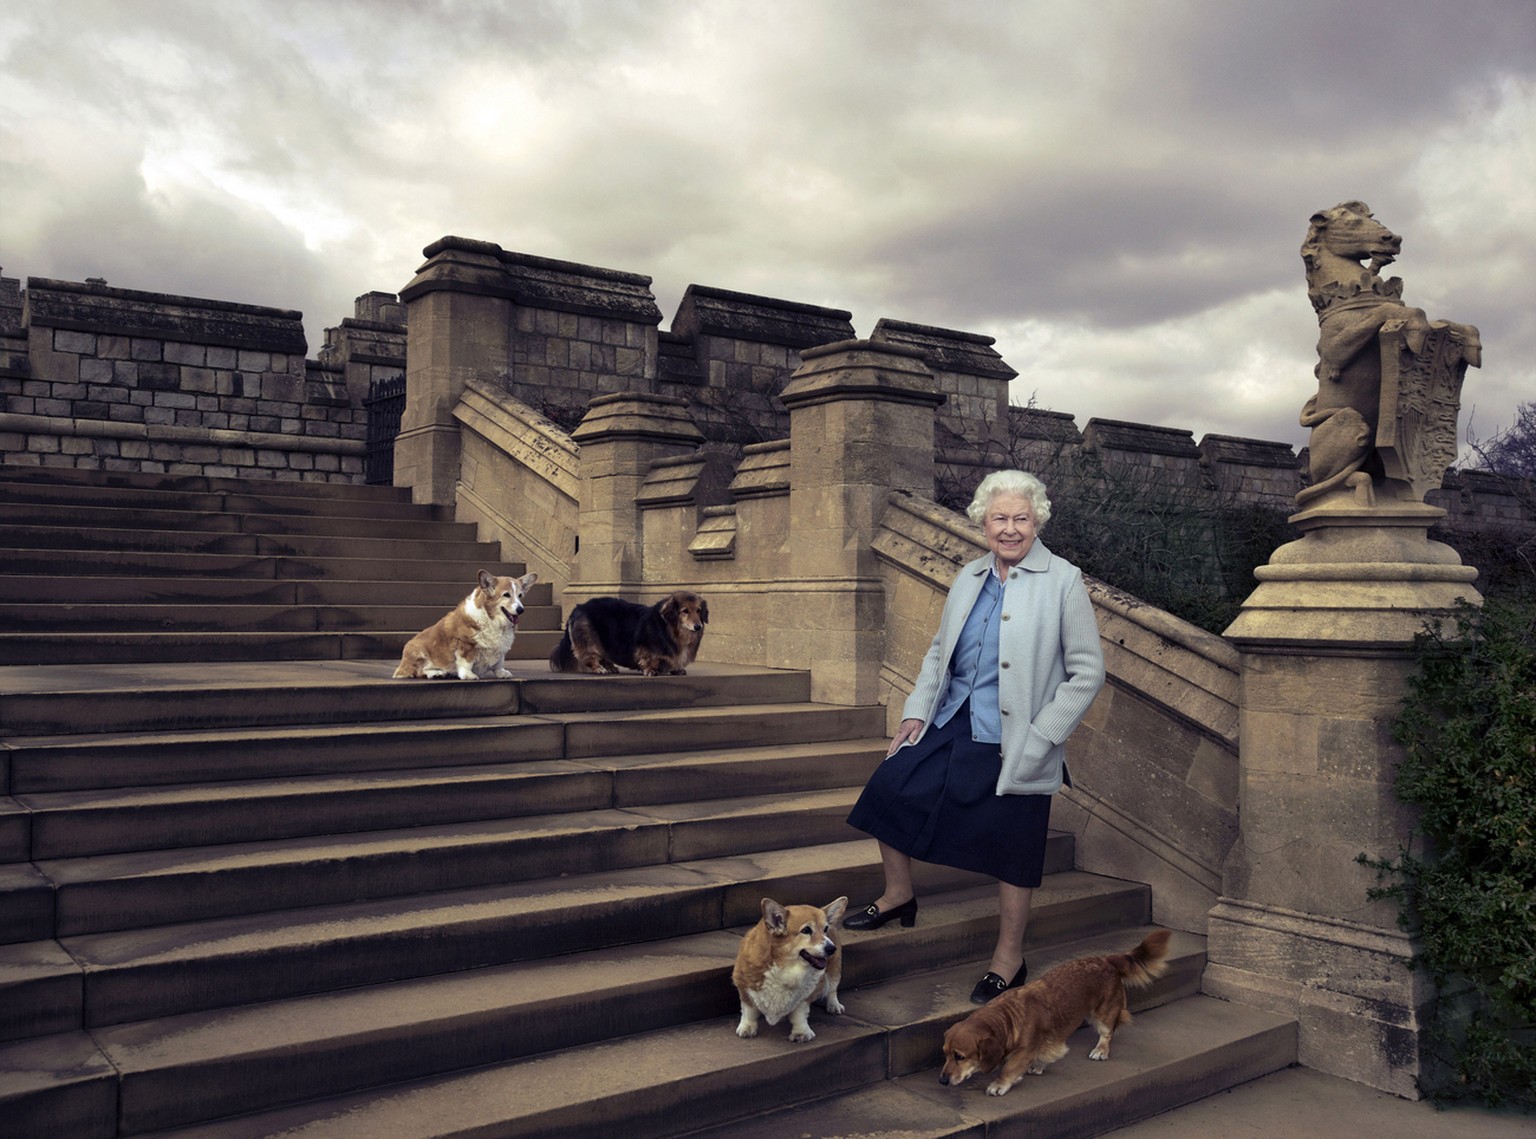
362	697
363	857
702	1074
185	967
276	734
98	807
192	1055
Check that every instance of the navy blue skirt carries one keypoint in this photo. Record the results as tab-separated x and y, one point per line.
937	801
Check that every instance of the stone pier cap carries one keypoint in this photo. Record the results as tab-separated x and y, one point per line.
861	369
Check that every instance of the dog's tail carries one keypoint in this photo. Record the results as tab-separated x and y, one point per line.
561	657
1144	964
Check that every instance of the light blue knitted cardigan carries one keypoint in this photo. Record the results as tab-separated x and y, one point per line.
1050	664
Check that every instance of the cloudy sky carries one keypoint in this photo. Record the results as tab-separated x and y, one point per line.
1114	189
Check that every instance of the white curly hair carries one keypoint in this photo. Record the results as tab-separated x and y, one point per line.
1011	482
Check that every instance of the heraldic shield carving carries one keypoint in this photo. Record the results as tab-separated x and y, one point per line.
1420	402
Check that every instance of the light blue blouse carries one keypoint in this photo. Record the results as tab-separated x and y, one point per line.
973	668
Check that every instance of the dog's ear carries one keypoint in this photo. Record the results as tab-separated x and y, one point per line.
774	916
835	910
485	580
669	609
527	580
704	611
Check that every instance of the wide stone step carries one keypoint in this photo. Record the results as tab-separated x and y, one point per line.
141	974
252	518
160	887
200	1066
282	498
130	759
258	545
76	824
86	481
265	495
175	565
1172	1055
40	984
91	589
211	617
673	1081
210	647
60	700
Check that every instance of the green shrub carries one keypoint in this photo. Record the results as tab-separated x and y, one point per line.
1468	888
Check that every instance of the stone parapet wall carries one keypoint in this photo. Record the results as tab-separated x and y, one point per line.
729	355
556	334
518	480
563	333
1483	501
117	379
972	377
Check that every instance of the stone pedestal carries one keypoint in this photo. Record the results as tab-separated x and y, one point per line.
861	426
1326	640
621	436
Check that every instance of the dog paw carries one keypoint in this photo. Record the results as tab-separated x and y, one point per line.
745	1030
502	674
998	1087
1099	1053
834	1006
1035	1070
800	1037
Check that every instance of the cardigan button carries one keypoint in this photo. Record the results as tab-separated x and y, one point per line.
1005	616
1004	664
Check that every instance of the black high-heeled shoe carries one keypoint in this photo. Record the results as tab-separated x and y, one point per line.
991	985
872	917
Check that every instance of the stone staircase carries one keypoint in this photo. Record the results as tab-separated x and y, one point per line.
279	893
102	567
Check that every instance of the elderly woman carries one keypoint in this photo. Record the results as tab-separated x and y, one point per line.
968	779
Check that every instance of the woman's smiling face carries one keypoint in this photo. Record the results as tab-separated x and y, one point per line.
1009	526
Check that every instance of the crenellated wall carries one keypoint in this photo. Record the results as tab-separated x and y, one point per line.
116	379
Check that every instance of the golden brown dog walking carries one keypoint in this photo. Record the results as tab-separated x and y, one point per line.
1025	1029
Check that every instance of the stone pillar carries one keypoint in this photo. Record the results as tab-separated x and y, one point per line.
861	426
459	319
620	437
1326	641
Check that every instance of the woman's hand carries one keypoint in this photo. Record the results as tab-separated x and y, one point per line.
904	734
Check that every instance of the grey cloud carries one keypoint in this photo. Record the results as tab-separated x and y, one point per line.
1117	174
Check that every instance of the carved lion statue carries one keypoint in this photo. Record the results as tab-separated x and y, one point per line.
1354	306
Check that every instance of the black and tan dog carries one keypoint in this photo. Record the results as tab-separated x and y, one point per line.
1025	1029
609	633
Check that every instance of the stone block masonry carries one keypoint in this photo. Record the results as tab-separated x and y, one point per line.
116	379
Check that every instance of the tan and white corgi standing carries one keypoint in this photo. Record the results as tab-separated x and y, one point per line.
473	640
786	961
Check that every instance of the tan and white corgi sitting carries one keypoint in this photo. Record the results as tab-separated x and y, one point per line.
473	640
786	961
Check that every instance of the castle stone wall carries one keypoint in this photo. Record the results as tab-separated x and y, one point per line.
117	379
